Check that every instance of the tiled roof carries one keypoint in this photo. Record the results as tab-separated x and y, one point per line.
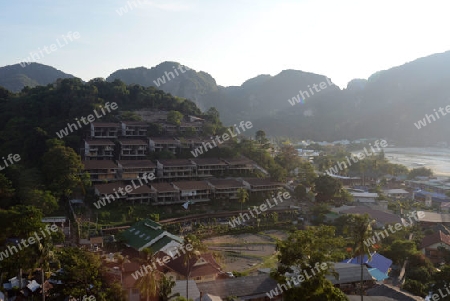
209	267
99	164
109	188
164	187
235	161
437	237
392	292
176	162
142	189
433	217
239	287
261	182
137	163
133	142
225	183
190	185
379	216
208	161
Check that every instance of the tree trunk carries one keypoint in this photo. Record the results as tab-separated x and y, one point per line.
362	277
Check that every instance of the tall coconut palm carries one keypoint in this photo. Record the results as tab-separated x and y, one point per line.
148	284
242	196
191	242
359	228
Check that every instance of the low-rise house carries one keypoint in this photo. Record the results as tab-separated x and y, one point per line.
225	188
430	198
101	170
170	129
110	191
195	127
200	268
389	291
122	273
239	165
350	276
196	142
251	288
175	169
132	169
382	218
104	130
99	149
180	288
142	194
436	186
364	197
166	194
256	185
133	149
158	144
430	246
378	261
208	167
194	191
149	234
397	193
133	129
427	218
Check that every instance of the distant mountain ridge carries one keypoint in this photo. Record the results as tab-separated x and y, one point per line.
16	77
172	77
386	105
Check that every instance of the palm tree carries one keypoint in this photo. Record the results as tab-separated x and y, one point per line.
193	243
242	196
165	288
148	284
359	228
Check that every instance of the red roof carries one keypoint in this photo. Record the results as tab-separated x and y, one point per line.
437	237
197	268
99	164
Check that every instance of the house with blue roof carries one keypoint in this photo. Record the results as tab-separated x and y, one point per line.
378	266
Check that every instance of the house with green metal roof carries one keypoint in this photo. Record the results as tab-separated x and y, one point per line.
149	234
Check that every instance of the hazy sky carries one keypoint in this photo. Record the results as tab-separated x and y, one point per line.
231	40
